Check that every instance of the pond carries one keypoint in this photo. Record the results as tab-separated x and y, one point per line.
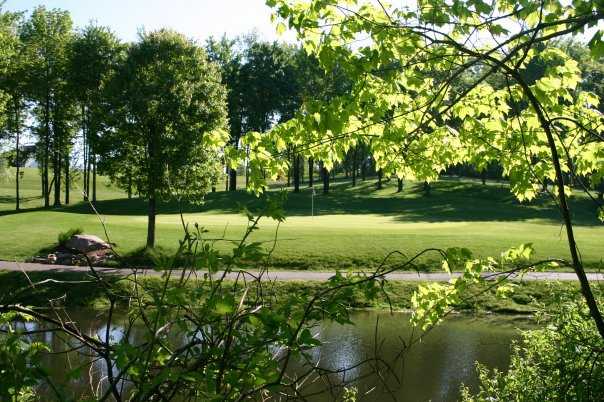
431	370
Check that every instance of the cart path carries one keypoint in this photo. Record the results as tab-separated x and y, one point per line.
284	276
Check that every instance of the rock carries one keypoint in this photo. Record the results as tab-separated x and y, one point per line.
86	243
99	256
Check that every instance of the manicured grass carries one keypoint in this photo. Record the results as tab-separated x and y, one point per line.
353	227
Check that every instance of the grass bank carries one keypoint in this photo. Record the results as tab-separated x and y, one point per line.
353	227
76	293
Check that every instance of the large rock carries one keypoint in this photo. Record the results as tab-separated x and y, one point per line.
86	243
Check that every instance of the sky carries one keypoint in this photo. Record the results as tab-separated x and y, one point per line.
197	19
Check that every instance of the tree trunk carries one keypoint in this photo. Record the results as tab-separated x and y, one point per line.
400	186
363	170
130	186
67	177
325	177
380	175
84	162
296	173
46	156
427	188
93	178
17	156
311	168
151	220
57	170
354	167
483	177
52	183
564	208
85	154
233	172
247	170
151	183
88	171
233	180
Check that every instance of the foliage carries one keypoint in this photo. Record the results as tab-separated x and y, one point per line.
9	49
20	367
417	125
206	338
404	102
65	236
169	114
560	362
45	38
94	55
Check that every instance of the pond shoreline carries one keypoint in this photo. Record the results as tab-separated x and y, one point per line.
75	289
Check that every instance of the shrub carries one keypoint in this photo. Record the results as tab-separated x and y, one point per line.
559	362
64	236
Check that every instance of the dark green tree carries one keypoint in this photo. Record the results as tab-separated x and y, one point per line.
169	108
94	55
12	89
46	37
227	54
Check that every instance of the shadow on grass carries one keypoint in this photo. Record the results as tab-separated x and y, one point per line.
6	199
450	200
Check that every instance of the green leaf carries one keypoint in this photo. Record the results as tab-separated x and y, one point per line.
596	46
281	28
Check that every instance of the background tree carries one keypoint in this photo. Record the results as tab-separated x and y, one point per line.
93	57
169	108
46	36
269	86
228	55
538	127
12	88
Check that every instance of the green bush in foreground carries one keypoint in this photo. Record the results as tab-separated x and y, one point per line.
560	362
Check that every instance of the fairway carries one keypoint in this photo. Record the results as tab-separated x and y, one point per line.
352	227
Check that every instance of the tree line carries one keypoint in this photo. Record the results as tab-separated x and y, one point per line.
155	115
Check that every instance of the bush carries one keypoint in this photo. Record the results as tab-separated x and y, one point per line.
560	362
64	236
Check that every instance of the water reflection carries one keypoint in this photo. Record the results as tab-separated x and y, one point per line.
432	369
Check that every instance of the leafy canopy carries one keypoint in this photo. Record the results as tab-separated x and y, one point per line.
169	115
404	64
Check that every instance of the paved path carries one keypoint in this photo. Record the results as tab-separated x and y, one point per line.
298	275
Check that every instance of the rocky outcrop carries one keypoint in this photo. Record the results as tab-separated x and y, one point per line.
78	250
86	243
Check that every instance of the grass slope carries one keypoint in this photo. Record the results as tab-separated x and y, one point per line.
353	227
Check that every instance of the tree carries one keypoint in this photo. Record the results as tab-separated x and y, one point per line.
592	81
168	109
538	127
46	37
12	88
93	57
227	55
